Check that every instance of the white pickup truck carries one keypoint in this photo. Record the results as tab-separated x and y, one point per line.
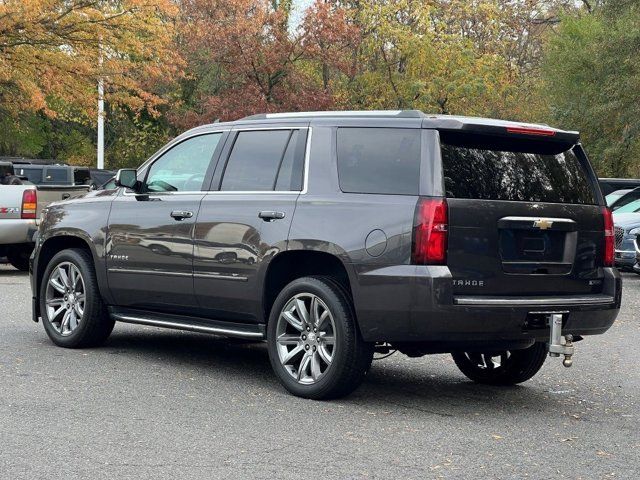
20	207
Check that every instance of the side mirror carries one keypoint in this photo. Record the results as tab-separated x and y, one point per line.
127	177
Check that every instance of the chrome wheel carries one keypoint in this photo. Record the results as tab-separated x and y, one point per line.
65	298
305	338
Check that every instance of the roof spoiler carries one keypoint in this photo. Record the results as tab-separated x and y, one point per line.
523	131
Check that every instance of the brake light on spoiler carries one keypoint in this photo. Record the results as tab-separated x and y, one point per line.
538	132
29	204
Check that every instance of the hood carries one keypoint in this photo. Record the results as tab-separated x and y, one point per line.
626	220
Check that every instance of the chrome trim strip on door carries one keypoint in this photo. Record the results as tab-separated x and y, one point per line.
148	272
220	276
184	326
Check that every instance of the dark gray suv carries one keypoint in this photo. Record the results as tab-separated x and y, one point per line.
334	235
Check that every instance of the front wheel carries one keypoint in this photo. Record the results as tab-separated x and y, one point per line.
507	367
314	345
72	310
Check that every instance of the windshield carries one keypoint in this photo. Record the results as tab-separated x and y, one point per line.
632	196
612	197
630	207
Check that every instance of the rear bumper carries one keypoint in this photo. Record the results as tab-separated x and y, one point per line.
17	231
422	308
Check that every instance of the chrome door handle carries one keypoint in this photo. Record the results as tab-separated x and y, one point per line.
181	214
268	215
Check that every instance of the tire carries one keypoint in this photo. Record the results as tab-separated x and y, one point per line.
515	366
350	357
92	325
19	257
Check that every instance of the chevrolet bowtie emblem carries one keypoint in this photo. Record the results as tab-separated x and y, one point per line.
542	224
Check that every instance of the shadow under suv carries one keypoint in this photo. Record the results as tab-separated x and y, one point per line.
332	235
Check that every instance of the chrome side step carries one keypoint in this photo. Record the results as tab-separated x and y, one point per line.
191	324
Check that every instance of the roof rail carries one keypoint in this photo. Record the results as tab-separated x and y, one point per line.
344	113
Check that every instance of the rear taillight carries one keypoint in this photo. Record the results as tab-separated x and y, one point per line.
609	238
430	232
29	203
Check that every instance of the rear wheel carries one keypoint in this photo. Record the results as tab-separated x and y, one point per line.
18	256
314	344
506	367
72	310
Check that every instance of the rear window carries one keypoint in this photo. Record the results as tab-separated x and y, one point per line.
56	175
34	175
379	160
508	172
81	176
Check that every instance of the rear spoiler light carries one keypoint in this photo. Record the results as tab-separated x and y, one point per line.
29	204
538	132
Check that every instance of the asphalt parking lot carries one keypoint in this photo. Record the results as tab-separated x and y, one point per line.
157	403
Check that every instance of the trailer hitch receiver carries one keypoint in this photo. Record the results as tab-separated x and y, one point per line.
559	344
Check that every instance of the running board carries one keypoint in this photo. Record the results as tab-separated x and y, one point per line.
191	324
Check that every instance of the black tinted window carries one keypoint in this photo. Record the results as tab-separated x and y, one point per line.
81	177
255	160
34	175
290	173
476	172
57	175
379	160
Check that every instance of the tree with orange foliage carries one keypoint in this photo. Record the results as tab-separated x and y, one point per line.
256	63
50	50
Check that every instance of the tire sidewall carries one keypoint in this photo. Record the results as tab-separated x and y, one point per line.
525	364
86	271
340	317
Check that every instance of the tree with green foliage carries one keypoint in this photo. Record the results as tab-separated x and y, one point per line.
592	82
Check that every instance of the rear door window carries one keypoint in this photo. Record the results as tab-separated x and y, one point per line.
379	160
507	171
265	160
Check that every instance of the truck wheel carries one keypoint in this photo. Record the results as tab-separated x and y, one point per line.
502	368
19	257
73	313
314	344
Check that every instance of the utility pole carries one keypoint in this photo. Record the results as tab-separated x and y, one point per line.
100	115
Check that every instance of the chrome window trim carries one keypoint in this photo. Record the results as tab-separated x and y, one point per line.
305	178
